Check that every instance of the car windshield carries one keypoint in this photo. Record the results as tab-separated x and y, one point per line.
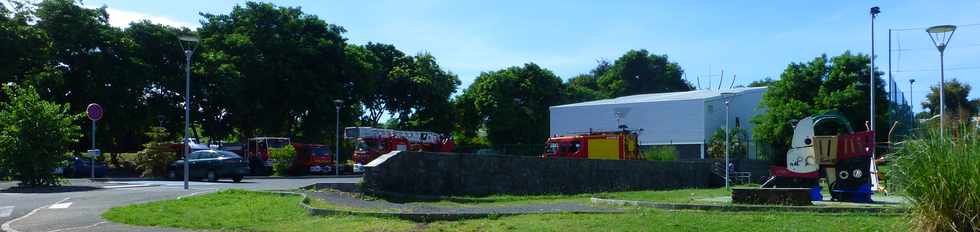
228	154
277	143
321	151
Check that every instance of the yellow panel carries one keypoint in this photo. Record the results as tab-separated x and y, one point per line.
604	149
825	148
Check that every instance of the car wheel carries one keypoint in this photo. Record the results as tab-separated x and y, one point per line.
212	177
237	179
172	175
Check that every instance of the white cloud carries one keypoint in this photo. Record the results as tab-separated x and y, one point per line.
122	18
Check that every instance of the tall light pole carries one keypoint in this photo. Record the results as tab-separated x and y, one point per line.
940	33
911	105
871	78
336	162
727	97
188	43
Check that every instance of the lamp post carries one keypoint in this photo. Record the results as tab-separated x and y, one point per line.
871	78
727	97
911	105
940	36
336	161
188	43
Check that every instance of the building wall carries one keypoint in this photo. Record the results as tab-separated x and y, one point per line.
669	122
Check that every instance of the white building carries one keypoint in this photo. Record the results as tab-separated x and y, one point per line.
683	119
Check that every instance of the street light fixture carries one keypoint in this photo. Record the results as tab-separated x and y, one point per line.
336	161
940	36
188	43
728	98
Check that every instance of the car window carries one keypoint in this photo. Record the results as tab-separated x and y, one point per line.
199	155
228	154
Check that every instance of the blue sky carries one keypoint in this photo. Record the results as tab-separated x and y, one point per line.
750	39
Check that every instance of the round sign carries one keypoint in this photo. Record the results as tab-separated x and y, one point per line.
94	112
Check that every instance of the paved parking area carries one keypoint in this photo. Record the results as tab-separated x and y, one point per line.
78	206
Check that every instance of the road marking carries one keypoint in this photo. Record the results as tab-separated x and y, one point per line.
79	228
6	211
60	206
6	226
129	186
193	194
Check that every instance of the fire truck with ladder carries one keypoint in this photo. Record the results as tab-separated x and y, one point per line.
613	145
373	142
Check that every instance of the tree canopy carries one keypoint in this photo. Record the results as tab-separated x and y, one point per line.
956	98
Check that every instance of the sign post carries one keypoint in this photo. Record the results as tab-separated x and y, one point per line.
94	112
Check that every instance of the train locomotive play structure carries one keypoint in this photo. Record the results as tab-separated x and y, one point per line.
825	146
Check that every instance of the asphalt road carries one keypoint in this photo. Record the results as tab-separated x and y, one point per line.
78	206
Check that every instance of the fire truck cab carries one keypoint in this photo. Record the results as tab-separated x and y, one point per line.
257	153
370	143
612	145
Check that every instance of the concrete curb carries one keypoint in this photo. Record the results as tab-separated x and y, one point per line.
417	217
246	178
742	208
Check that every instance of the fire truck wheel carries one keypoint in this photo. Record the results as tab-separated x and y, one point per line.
237	179
212	177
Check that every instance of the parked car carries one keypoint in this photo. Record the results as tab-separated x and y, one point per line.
210	165
80	167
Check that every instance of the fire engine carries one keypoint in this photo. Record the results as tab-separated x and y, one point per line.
312	158
373	142
612	145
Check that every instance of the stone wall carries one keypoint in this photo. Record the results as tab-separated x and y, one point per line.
478	175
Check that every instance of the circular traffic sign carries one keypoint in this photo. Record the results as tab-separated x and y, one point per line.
94	112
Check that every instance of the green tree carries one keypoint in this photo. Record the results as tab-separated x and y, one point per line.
958	106
639	72
512	105
282	158
35	135
274	71
762	83
841	86
155	156
25	47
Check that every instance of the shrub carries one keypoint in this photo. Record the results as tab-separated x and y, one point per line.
666	152
281	159
35	136
942	180
155	156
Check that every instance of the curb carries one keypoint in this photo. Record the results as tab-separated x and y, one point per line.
742	208
129	186
300	177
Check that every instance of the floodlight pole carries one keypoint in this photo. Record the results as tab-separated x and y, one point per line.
911	105
727	144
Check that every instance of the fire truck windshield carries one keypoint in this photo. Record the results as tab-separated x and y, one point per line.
365	145
321	151
551	148
277	143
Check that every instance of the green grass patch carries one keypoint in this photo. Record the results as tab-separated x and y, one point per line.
488	201
669	196
237	210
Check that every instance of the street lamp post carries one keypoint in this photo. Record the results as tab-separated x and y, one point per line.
940	38
911	105
727	97
188	43
871	78
336	161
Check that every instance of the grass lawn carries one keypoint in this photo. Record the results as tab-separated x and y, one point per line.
669	196
236	210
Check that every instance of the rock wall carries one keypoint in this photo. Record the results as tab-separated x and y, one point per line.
424	173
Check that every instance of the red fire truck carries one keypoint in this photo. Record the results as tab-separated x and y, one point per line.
373	142
310	158
613	145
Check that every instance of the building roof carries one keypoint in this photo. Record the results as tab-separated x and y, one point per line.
662	97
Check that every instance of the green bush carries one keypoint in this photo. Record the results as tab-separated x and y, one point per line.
737	146
281	159
666	152
35	136
942	180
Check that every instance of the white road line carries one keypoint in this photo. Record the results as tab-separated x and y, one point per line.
129	186
60	206
79	228
6	211
6	226
193	194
